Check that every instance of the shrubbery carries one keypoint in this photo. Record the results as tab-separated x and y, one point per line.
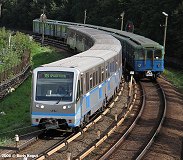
14	48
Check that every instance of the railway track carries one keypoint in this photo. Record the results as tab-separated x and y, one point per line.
97	146
7	86
135	145
94	133
169	143
84	138
59	44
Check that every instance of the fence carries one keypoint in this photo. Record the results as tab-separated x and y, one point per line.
8	74
13	77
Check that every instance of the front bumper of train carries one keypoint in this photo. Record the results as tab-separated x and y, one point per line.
54	121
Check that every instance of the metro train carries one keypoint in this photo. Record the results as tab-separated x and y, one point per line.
141	55
67	92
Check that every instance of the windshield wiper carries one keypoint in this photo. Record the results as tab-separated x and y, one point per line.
60	98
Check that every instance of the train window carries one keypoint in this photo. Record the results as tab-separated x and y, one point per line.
157	54
117	63
87	81
140	55
149	55
112	67
107	72
100	73
94	78
91	81
78	91
64	28
54	86
82	85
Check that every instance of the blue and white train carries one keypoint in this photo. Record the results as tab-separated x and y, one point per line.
140	54
69	91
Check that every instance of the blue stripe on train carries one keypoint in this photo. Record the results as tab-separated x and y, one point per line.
52	114
88	101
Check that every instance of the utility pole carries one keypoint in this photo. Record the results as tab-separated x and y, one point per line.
85	16
122	17
43	19
0	8
166	21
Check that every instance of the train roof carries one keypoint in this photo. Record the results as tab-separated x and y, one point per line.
134	39
81	63
102	40
84	61
105	47
137	40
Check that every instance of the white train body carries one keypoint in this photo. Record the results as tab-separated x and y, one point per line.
87	79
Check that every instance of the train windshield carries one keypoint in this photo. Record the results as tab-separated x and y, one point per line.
149	55
54	86
158	54
140	55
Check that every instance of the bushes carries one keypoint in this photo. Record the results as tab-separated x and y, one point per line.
14	48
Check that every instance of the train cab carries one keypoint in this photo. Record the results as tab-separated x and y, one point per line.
149	60
53	97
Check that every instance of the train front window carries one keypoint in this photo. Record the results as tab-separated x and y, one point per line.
140	55
157	54
149	54
54	86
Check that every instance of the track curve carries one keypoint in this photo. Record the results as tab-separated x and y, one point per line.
141	137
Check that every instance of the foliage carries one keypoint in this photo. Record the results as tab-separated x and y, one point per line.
13	47
175	77
146	16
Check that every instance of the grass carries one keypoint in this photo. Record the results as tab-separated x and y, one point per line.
16	105
175	77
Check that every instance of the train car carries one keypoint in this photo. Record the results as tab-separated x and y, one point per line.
142	55
68	91
58	29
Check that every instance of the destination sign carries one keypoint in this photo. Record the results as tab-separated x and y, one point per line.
55	75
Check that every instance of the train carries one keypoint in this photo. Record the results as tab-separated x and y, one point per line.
68	92
140	54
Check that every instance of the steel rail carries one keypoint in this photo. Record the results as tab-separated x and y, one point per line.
17	79
159	126
64	143
113	148
102	139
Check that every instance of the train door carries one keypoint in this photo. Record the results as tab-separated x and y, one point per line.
79	100
149	59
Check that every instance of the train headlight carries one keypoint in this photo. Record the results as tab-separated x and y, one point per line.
42	106
69	106
64	107
139	65
37	105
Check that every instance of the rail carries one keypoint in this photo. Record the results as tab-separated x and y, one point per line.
14	76
158	128
117	144
60	145
142	147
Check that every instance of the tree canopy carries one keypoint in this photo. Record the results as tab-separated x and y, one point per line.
146	16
